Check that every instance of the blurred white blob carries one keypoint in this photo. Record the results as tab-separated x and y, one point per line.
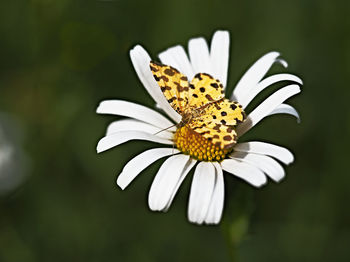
12	160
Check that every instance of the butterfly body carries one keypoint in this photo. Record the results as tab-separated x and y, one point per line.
189	115
206	116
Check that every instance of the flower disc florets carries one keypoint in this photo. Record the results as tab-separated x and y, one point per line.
198	147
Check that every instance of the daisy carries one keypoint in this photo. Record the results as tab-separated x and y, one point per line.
251	161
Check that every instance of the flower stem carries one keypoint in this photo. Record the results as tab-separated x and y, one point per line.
235	224
232	249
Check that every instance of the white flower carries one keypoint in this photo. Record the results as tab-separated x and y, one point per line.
250	161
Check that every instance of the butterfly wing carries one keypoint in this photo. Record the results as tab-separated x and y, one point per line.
221	136
217	123
173	84
224	112
204	89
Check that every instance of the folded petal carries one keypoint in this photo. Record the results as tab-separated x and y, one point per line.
267	164
121	137
128	109
140	60
132	124
140	162
201	192
247	172
177	58
219	55
286	109
217	201
199	55
166	181
253	75
266	107
282	62
265	83
280	153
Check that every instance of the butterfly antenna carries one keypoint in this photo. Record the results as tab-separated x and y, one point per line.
164	129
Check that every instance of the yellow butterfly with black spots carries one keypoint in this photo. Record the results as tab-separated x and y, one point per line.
201	104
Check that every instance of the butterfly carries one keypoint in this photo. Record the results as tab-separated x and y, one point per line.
201	104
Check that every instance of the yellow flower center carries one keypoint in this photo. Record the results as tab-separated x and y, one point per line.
198	147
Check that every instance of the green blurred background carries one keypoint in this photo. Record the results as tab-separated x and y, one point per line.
59	59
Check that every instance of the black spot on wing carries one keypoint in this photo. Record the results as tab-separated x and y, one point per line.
153	69
183	78
205	74
215	85
207	96
198	76
169	72
164	88
227	138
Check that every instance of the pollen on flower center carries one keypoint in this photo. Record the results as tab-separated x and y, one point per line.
197	146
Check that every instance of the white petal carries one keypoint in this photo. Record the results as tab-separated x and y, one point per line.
278	152
265	83
282	62
140	60
121	137
219	55
124	108
140	162
253	75
199	55
131	124
201	192
190	164
267	164
266	107
249	173
177	57
166	181
217	201
286	109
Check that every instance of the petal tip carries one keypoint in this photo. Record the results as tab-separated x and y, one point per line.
261	184
98	109
274	53
98	148
280	179
282	62
222	32
120	183
290	160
